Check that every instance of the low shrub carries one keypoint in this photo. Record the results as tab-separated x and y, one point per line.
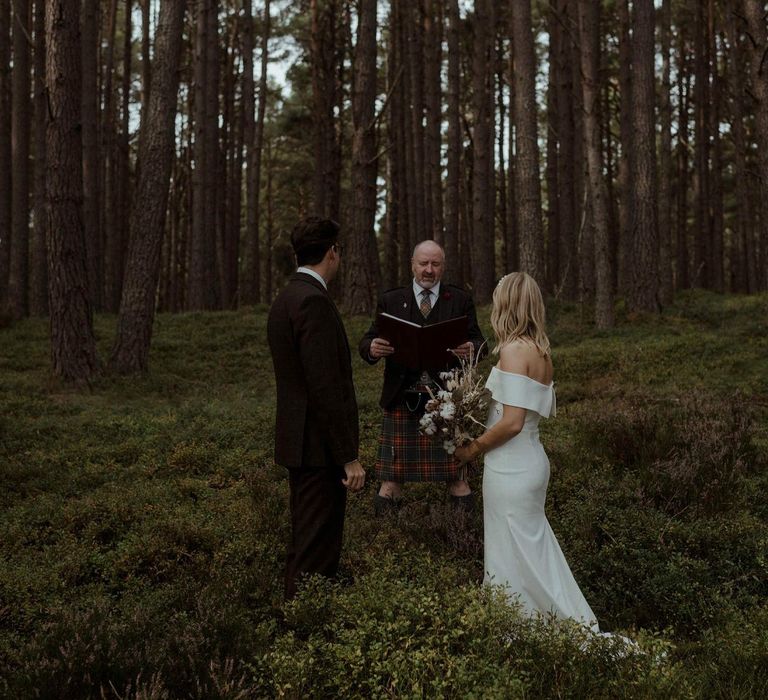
689	455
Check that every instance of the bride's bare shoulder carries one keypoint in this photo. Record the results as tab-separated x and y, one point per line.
516	356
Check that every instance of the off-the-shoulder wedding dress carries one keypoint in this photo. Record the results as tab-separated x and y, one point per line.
521	551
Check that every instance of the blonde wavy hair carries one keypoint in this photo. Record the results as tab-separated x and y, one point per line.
518	312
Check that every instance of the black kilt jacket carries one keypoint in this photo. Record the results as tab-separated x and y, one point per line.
317	420
453	302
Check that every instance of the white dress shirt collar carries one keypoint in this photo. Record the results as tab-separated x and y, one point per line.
314	274
434	292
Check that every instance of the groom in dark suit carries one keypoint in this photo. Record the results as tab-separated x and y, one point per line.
404	454
316	431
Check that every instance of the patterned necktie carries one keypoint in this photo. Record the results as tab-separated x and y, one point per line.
426	303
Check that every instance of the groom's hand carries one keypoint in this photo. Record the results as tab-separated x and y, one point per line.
355	476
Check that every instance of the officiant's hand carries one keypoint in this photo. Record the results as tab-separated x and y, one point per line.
464	350
355	476
380	348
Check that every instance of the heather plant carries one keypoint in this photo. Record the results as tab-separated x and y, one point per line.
690	454
143	527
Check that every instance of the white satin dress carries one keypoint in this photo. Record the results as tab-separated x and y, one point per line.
521	551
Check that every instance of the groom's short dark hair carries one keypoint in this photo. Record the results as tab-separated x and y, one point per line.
312	237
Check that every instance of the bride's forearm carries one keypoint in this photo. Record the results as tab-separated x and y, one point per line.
492	438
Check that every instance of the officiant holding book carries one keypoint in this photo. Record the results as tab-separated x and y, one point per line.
404	454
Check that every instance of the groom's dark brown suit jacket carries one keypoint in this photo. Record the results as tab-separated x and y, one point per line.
317	418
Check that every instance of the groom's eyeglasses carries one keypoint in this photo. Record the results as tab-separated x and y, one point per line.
338	248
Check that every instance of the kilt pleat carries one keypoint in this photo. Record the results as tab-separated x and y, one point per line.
407	455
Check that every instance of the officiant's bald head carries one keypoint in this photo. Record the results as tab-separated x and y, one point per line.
428	263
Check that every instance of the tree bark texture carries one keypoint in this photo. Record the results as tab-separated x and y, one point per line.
568	224
755	14
626	166
482	250
682	262
643	294
527	179
21	112
666	261
137	307
590	85
5	147
702	273
453	173
91	106
743	260
73	347
326	51
38	256
361	272
433	38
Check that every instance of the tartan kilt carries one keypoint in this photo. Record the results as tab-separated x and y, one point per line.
407	455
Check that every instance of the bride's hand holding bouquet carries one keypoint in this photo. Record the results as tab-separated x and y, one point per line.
456	414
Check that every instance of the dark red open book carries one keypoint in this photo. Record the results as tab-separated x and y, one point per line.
423	347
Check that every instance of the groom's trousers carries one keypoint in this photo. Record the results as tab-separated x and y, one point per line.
317	502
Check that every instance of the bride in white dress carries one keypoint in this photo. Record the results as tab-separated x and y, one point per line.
521	551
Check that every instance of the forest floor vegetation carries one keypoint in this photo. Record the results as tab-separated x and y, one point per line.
143	526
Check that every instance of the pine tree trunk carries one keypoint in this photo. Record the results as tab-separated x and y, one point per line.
18	278
626	185
137	307
682	260
645	254
568	222
393	229
38	255
235	194
453	173
527	177
269	227
702	228
212	290
250	279
200	280
666	260
412	195
124	141
433	38
513	236
416	67
73	347
754	11
742	251
324	55
609	157
503	215
717	216
91	102
482	250
553	161
110	232
5	147
361	272
258	146
224	182
590	85
146	63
